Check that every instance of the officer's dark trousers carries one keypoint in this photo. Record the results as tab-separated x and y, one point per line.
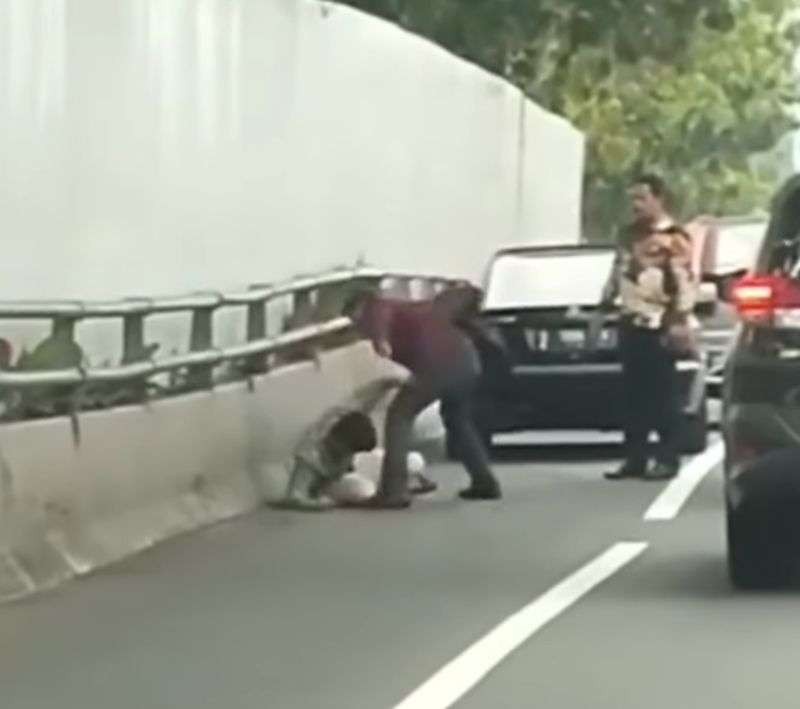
651	396
453	384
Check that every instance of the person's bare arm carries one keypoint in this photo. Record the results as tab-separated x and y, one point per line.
369	396
377	327
611	288
685	295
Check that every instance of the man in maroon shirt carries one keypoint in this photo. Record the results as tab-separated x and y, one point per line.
423	337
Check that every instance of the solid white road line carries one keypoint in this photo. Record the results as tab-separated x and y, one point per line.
456	678
669	503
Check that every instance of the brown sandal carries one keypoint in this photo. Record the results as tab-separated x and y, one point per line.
423	486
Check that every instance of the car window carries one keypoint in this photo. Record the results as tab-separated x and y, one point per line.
738	246
547	280
784	224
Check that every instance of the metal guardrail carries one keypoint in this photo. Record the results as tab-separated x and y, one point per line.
203	357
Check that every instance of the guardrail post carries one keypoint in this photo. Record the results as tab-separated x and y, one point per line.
302	308
133	350
302	315
329	299
202	338
256	321
133	339
256	330
62	336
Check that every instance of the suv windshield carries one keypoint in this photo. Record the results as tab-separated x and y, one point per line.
547	279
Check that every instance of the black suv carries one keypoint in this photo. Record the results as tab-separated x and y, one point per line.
761	407
563	369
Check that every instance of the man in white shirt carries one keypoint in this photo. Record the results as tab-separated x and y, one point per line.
653	280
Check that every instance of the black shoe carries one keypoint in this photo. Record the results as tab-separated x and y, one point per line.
624	472
661	471
489	491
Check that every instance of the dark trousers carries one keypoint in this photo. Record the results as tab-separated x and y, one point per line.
454	385
651	396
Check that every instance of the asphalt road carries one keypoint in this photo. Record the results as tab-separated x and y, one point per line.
357	610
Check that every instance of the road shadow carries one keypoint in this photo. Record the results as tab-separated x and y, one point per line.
559	453
535	453
698	575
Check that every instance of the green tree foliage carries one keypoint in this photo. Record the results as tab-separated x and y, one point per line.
689	88
698	118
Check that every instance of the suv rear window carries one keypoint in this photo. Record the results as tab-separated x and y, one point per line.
535	279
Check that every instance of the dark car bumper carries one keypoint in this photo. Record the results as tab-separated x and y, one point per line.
569	396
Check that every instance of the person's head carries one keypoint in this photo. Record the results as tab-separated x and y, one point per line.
353	433
357	302
648	194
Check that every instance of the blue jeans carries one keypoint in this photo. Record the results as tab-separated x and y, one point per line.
454	384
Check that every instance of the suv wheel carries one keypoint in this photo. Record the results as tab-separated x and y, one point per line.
753	563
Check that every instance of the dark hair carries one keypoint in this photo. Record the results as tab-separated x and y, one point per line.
657	185
355	432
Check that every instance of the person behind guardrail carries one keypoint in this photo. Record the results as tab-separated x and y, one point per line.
426	339
7	397
653	281
57	351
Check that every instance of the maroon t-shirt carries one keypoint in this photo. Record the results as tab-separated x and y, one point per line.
422	338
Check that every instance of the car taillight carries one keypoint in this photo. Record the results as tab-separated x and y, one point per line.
770	300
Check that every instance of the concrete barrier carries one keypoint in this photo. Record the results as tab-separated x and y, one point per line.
138	475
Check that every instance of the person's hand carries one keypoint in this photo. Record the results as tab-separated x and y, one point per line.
606	305
680	339
383	349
